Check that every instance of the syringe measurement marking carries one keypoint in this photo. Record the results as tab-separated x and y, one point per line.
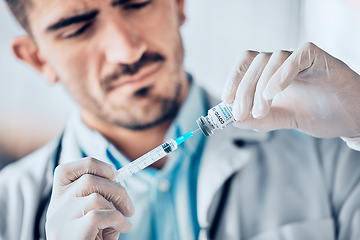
146	160
143	162
151	157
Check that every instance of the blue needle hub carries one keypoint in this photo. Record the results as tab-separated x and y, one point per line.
184	137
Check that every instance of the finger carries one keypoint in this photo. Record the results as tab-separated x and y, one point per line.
94	201
245	92
111	191
89	226
96	220
261	106
68	173
299	61
236	74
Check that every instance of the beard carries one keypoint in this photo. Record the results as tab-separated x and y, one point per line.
159	110
143	109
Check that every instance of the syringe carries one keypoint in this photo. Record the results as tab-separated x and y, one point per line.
149	158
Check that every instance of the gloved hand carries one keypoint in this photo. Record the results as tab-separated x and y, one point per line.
86	203
308	90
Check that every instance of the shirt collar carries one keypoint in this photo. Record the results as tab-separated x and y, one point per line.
79	141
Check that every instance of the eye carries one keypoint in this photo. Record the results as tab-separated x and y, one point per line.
137	5
79	31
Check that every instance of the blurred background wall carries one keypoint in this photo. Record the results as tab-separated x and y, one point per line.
216	32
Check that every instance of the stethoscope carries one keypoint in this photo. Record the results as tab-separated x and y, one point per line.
44	203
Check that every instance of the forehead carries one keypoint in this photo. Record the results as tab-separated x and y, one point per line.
44	12
54	5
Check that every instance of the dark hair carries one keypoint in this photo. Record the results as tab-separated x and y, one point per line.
20	9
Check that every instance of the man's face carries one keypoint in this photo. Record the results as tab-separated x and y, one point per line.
121	60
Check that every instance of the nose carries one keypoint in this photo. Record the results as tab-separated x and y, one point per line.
122	43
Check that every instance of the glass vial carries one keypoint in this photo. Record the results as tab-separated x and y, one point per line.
218	118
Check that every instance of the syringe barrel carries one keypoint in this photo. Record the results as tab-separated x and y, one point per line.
145	160
120	177
218	117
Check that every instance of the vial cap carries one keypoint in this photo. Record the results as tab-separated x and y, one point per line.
205	126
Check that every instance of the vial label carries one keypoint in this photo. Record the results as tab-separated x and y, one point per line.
221	115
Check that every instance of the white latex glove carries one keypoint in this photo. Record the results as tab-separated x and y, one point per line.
308	90
86	203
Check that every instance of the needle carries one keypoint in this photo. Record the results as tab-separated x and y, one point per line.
196	130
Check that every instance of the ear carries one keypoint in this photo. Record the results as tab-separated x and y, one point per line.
25	49
181	9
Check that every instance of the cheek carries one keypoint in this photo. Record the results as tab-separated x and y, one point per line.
75	66
166	87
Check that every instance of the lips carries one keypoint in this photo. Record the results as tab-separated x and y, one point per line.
137	80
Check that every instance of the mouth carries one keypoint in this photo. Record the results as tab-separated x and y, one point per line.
139	80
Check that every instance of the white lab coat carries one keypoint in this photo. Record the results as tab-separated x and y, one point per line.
284	186
279	185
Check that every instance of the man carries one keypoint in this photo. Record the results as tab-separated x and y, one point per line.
121	61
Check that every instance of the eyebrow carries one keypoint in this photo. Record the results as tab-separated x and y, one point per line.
119	2
64	22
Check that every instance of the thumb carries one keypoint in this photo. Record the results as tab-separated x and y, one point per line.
277	118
